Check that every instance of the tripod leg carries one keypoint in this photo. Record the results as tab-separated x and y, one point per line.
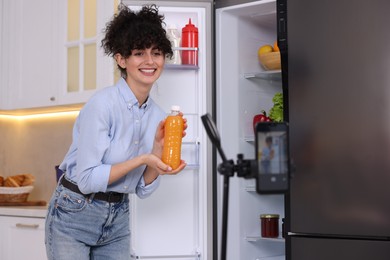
225	216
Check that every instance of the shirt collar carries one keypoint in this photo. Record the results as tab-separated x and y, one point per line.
129	97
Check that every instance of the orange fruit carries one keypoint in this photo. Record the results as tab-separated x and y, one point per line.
265	49
276	47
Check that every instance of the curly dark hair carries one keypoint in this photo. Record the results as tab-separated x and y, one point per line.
130	30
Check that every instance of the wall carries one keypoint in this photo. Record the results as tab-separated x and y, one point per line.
35	145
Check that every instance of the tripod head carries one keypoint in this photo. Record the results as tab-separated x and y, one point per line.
244	168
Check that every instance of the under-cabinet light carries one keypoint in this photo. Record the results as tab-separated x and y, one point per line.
42	115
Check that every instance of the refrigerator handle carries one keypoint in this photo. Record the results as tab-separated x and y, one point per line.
281	17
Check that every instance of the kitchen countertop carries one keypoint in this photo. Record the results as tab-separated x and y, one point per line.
24	211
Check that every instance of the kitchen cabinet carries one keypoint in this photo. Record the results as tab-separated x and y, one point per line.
29	56
22	238
51	53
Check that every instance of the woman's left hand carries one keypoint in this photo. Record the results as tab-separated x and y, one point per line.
170	171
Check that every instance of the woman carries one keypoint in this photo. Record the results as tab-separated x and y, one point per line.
116	149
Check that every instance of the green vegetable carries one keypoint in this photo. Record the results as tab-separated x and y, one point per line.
276	112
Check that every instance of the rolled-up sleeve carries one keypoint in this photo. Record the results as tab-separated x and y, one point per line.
144	191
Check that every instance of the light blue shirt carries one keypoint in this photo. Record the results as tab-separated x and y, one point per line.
111	128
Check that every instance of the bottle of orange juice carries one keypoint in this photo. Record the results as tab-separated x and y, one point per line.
173	134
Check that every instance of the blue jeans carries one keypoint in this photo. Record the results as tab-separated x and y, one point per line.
81	228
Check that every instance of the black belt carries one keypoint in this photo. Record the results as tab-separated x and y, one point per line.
105	196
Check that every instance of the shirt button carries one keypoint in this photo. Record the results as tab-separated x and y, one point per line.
125	187
135	142
137	121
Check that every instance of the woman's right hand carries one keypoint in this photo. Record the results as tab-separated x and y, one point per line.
159	140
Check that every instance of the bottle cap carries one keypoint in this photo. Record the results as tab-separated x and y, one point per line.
171	26
269	216
190	27
175	108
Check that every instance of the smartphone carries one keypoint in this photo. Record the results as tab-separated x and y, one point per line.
272	156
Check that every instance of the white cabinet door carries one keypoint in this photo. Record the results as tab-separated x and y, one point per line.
84	67
29	58
22	238
42	63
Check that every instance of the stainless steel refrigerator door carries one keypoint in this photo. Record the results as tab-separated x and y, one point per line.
339	249
339	111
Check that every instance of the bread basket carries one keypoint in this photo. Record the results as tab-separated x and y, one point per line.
15	194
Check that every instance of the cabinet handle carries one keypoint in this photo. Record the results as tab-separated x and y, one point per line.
52	99
21	225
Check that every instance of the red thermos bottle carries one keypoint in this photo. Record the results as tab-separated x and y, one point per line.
189	38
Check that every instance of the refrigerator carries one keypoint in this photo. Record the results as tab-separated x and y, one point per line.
337	76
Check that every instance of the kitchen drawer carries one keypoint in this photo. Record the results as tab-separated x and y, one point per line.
22	238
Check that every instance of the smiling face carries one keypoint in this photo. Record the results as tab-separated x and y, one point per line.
143	68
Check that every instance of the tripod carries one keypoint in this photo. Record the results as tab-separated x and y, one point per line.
244	168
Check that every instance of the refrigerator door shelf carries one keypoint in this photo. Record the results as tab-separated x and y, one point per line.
193	151
180	67
185	48
183	66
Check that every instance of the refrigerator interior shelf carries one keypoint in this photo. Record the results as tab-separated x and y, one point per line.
249	139
259	238
267	75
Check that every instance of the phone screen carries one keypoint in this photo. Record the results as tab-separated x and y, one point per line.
272	157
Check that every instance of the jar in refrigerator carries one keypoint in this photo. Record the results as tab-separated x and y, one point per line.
189	35
173	35
269	225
